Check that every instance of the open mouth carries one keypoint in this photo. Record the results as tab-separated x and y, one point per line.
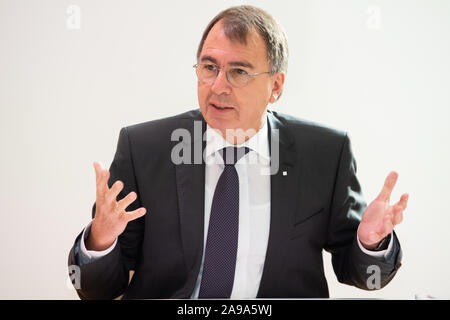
217	107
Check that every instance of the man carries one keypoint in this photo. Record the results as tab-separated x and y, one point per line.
221	228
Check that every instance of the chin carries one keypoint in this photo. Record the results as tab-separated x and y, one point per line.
219	124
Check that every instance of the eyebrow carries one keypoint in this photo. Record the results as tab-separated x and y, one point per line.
244	63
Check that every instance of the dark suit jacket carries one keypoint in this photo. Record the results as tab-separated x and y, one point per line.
318	205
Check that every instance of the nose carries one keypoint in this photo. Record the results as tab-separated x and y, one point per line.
221	84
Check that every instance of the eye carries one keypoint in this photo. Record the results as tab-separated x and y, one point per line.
240	72
210	67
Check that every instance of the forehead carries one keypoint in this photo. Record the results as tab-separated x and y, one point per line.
223	49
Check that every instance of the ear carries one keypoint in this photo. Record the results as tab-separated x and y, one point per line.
277	86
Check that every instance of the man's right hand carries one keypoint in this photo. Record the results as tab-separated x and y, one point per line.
110	218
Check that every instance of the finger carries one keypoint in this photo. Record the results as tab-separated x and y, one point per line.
398	215
126	201
98	170
403	201
133	215
104	177
115	190
389	184
99	178
102	186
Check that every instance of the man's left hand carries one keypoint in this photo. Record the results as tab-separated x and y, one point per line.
380	217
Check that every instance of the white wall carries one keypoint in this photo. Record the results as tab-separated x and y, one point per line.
379	69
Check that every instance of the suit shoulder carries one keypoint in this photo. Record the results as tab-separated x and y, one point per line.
309	129
160	129
157	133
317	143
170	123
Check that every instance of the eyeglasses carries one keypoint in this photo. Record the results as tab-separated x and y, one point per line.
237	77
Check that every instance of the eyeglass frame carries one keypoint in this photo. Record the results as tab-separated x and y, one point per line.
226	73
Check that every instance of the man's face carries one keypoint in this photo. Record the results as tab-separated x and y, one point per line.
248	104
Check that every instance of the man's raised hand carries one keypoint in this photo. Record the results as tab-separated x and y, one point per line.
380	217
110	218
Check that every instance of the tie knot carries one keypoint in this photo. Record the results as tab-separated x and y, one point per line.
231	155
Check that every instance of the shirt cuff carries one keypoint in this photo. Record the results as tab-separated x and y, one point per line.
91	255
377	254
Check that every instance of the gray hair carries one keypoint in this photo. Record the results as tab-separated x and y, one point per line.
239	20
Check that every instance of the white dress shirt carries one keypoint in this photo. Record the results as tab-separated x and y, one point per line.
254	211
254	207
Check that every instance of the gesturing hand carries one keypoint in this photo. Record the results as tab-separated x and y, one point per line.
380	217
110	218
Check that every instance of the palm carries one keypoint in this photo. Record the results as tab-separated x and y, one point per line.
110	216
380	217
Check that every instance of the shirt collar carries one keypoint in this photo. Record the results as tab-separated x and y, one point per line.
258	143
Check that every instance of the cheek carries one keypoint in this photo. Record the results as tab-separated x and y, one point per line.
251	110
202	93
262	92
268	92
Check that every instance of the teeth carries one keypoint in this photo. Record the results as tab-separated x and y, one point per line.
221	108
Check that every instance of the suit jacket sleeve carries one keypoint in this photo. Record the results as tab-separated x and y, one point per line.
350	264
107	277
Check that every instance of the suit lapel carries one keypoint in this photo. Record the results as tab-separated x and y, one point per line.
283	202
190	179
287	205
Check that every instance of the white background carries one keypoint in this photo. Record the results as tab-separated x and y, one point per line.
377	69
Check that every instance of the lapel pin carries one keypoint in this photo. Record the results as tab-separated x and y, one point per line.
284	173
